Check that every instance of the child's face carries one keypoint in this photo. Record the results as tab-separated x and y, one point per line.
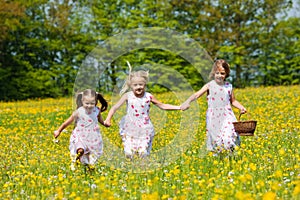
88	103
138	86
220	75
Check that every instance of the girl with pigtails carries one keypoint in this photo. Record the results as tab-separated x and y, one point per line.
136	129
86	143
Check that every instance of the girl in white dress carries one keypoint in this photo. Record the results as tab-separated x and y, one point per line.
136	129
219	116
86	143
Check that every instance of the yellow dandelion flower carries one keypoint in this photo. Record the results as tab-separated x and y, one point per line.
281	151
296	191
269	196
252	166
240	195
72	195
278	174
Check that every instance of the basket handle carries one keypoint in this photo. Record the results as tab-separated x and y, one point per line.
242	114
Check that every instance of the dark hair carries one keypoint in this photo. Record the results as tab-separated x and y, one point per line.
220	63
91	93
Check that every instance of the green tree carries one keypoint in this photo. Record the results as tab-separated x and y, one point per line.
282	67
44	51
11	14
116	17
45	44
236	28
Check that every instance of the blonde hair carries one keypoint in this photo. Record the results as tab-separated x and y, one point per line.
220	63
141	73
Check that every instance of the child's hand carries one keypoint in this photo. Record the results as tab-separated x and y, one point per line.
107	123
184	106
243	110
56	133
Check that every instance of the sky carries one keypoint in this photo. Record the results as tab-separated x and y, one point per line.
295	11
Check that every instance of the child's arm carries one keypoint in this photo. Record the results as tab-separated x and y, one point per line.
112	111
237	104
164	106
65	124
193	97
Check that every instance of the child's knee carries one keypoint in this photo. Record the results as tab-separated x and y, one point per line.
80	151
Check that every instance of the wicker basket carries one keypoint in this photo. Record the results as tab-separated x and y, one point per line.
245	128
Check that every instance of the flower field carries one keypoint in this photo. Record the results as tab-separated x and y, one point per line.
265	166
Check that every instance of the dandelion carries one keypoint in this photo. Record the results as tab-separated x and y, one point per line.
266	163
296	191
252	166
278	174
269	196
240	195
281	151
72	195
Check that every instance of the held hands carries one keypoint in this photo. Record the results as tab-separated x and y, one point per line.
184	106
107	123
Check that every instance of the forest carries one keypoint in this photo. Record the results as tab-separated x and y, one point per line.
51	48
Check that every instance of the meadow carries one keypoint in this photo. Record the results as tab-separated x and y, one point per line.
266	166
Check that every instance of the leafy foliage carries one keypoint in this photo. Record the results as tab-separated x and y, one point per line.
44	44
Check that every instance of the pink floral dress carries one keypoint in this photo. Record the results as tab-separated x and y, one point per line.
136	128
219	117
86	135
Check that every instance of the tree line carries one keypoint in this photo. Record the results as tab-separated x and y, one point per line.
44	44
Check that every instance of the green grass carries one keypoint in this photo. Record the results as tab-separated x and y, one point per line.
266	166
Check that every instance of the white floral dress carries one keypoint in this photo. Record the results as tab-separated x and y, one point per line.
86	135
219	117
136	128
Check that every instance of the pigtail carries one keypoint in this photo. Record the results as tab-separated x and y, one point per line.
103	102
79	100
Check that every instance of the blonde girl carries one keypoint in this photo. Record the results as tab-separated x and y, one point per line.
136	129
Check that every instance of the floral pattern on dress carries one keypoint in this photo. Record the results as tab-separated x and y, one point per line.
136	128
219	117
87	136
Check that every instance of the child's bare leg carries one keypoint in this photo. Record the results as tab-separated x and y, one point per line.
80	152
128	156
143	154
73	161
